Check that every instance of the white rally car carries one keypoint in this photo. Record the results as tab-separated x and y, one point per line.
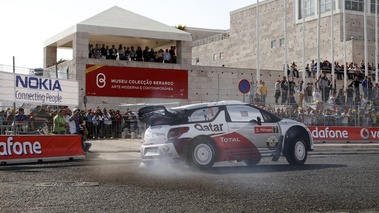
205	133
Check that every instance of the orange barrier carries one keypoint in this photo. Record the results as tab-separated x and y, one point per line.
40	148
344	134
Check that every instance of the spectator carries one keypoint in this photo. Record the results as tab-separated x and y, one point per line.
118	122
294	70
308	93
96	125
173	54
103	52
21	120
113	53
350	95
10	117
127	53
89	123
121	52
307	69
60	124
284	89
356	83
160	56
107	123
263	91
277	91
152	55
324	86
313	68
139	54
145	54
73	119
42	117
166	56
301	90
133	56
316	96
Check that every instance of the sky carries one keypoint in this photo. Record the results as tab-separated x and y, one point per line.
26	24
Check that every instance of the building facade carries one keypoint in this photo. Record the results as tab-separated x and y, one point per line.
238	47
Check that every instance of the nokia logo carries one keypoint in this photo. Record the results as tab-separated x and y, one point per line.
37	83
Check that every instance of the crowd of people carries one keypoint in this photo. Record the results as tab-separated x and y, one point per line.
132	54
320	100
93	124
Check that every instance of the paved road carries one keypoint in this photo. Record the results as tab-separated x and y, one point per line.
110	179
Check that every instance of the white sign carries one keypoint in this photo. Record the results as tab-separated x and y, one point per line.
39	90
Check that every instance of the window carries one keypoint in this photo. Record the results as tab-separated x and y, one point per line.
215	56
221	55
203	114
281	42
310	7
357	5
197	60
273	43
326	5
243	113
372	6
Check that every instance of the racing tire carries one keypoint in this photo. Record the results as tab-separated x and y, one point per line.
296	151
202	154
252	162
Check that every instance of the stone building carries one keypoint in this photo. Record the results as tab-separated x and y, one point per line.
236	47
215	60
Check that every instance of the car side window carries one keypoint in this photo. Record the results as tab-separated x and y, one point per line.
204	114
243	113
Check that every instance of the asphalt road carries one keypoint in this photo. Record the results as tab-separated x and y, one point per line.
112	180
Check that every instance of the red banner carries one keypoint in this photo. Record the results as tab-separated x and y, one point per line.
14	147
136	82
341	133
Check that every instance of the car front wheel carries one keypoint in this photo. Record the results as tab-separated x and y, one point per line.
296	152
202	155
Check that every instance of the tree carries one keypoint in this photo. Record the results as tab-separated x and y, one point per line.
181	27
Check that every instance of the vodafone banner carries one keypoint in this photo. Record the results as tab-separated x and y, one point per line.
19	148
136	82
341	133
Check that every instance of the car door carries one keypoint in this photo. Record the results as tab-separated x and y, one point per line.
243	120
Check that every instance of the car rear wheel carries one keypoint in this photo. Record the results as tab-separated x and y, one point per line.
296	152
202	154
252	162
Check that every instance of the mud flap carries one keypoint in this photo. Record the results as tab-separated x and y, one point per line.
279	149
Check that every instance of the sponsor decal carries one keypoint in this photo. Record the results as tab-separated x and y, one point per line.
11	147
136	82
229	140
263	129
30	146
365	134
326	133
100	80
29	82
272	142
32	89
209	127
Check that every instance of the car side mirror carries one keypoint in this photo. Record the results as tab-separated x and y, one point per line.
257	121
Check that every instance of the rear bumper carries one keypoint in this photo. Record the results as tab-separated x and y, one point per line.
156	151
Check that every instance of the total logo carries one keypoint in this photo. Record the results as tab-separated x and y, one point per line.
100	80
